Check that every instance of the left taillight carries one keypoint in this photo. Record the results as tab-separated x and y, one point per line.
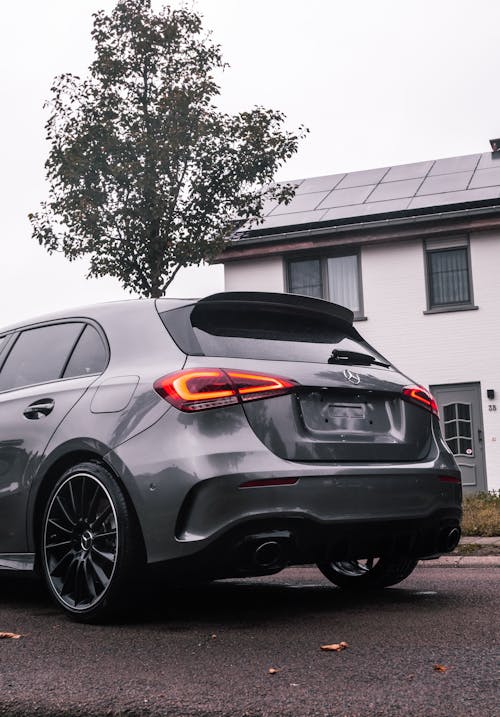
421	397
203	388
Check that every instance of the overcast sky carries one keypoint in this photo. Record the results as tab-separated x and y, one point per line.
378	82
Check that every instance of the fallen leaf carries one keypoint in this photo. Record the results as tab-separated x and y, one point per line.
335	647
9	635
440	668
273	670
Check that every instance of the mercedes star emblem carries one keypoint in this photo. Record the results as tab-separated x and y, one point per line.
351	376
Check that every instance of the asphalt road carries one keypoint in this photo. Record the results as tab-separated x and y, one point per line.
208	651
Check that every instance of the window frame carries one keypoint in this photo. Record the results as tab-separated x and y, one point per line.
323	257
443	245
13	335
5	340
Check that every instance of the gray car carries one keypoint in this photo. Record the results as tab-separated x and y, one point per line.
229	436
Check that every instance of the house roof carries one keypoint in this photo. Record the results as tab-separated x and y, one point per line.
362	198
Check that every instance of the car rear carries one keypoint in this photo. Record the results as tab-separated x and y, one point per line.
297	441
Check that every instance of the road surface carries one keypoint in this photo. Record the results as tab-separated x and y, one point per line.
207	651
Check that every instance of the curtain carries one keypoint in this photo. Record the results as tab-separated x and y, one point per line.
343	281
449	277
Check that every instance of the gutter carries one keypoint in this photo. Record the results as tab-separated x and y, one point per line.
395	221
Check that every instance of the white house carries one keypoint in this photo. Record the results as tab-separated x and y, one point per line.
414	251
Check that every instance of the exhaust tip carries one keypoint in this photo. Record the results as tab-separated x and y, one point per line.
268	554
449	539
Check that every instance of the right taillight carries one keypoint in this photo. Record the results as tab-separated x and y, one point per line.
203	388
421	397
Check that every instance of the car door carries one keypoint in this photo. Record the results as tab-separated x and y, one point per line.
34	399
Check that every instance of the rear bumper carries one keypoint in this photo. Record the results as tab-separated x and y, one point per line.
216	505
184	476
265	546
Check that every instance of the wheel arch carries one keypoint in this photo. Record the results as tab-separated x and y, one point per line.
51	474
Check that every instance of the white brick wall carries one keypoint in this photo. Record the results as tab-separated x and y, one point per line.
444	348
255	275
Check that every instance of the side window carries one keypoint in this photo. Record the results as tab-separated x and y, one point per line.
89	355
39	355
2	342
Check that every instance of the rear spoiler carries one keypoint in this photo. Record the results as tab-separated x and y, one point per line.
303	305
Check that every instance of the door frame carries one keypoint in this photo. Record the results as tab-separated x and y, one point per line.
481	469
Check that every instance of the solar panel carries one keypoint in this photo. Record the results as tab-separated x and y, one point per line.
395	190
445	183
385	191
486	177
344	197
408	171
362	178
470	195
319	184
455	164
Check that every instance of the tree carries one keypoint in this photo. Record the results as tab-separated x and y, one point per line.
145	174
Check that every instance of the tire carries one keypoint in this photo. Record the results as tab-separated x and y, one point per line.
371	574
90	547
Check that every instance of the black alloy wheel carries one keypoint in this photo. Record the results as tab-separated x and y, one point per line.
369	574
89	544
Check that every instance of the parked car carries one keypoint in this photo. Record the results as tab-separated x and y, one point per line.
229	436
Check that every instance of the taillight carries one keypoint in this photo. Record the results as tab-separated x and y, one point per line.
203	388
422	397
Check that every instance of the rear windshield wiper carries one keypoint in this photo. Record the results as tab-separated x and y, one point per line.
354	358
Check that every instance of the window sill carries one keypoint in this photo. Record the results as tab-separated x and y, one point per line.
450	308
360	318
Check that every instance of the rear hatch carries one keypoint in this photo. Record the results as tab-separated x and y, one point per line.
347	402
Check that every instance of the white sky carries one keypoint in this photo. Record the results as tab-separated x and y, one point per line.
378	82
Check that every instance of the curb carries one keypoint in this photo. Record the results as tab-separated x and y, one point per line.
462	561
479	540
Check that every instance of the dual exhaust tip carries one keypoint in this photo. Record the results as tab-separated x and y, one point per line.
266	551
269	554
449	539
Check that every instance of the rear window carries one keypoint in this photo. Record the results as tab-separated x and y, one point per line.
261	333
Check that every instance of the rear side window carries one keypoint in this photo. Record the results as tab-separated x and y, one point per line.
252	331
89	355
39	355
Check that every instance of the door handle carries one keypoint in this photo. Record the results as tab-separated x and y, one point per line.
39	408
479	435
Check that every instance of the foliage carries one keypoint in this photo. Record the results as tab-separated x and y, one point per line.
146	175
481	514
